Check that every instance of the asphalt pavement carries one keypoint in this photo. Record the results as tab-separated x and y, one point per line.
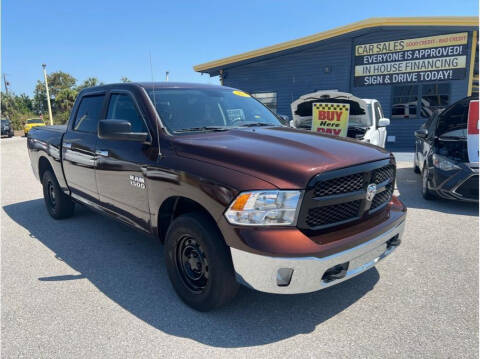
90	287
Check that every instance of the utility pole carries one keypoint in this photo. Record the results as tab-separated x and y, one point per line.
166	75
48	95
6	83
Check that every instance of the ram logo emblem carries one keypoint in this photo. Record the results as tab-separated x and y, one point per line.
371	191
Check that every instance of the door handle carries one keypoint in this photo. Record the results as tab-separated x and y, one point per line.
103	153
67	145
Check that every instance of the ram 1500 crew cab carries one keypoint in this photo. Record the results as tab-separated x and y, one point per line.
235	196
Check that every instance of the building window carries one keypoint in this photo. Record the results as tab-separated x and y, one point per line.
434	97
404	101
419	101
269	99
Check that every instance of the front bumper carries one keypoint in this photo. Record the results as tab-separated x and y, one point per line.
449	184
309	273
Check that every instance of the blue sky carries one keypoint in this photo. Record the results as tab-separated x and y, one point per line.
109	39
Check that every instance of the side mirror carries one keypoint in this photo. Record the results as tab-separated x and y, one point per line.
421	133
119	130
383	122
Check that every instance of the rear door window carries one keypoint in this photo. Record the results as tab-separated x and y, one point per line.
88	114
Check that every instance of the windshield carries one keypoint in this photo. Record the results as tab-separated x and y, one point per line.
4	121
205	109
362	120
35	120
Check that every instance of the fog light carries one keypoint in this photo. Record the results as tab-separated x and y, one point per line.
284	276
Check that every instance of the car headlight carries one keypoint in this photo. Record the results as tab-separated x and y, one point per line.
265	208
444	163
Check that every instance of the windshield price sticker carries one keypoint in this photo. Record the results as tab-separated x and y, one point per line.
434	58
331	118
241	93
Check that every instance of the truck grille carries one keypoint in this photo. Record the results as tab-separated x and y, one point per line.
340	196
382	197
339	185
320	216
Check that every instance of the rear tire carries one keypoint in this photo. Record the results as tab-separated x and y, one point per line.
199	263
59	205
427	193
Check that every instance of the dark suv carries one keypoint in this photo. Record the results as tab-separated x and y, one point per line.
441	155
6	127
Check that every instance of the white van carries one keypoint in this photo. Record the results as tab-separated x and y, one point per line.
366	122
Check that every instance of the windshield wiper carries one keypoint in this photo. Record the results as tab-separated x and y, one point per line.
201	129
255	124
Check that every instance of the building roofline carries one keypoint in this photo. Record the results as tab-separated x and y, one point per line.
360	25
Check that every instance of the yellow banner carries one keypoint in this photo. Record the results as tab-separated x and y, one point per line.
412	44
331	118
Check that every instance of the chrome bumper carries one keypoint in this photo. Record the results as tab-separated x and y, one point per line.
262	272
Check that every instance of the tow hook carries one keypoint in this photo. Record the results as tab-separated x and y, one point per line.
393	242
337	272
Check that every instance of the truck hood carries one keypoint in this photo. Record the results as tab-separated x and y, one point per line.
285	157
302	108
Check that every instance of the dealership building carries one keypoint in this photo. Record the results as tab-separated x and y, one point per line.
411	65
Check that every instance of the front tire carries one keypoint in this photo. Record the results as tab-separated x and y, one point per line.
416	169
427	193
59	205
199	263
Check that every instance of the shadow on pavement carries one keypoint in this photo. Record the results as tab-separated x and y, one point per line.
409	185
128	267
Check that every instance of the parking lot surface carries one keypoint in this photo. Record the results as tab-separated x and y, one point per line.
90	287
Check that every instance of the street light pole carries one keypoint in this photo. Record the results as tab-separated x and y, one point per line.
48	95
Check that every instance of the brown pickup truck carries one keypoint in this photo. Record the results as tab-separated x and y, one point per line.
236	196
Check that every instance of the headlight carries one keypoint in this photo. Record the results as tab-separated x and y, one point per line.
444	163
267	208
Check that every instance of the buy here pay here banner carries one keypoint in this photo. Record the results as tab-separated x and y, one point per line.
330	118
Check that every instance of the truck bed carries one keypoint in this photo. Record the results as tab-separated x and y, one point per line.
50	134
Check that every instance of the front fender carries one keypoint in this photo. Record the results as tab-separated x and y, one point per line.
213	187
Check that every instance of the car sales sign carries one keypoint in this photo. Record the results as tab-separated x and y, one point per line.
434	58
330	118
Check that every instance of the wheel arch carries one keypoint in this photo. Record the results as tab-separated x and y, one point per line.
44	165
174	206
